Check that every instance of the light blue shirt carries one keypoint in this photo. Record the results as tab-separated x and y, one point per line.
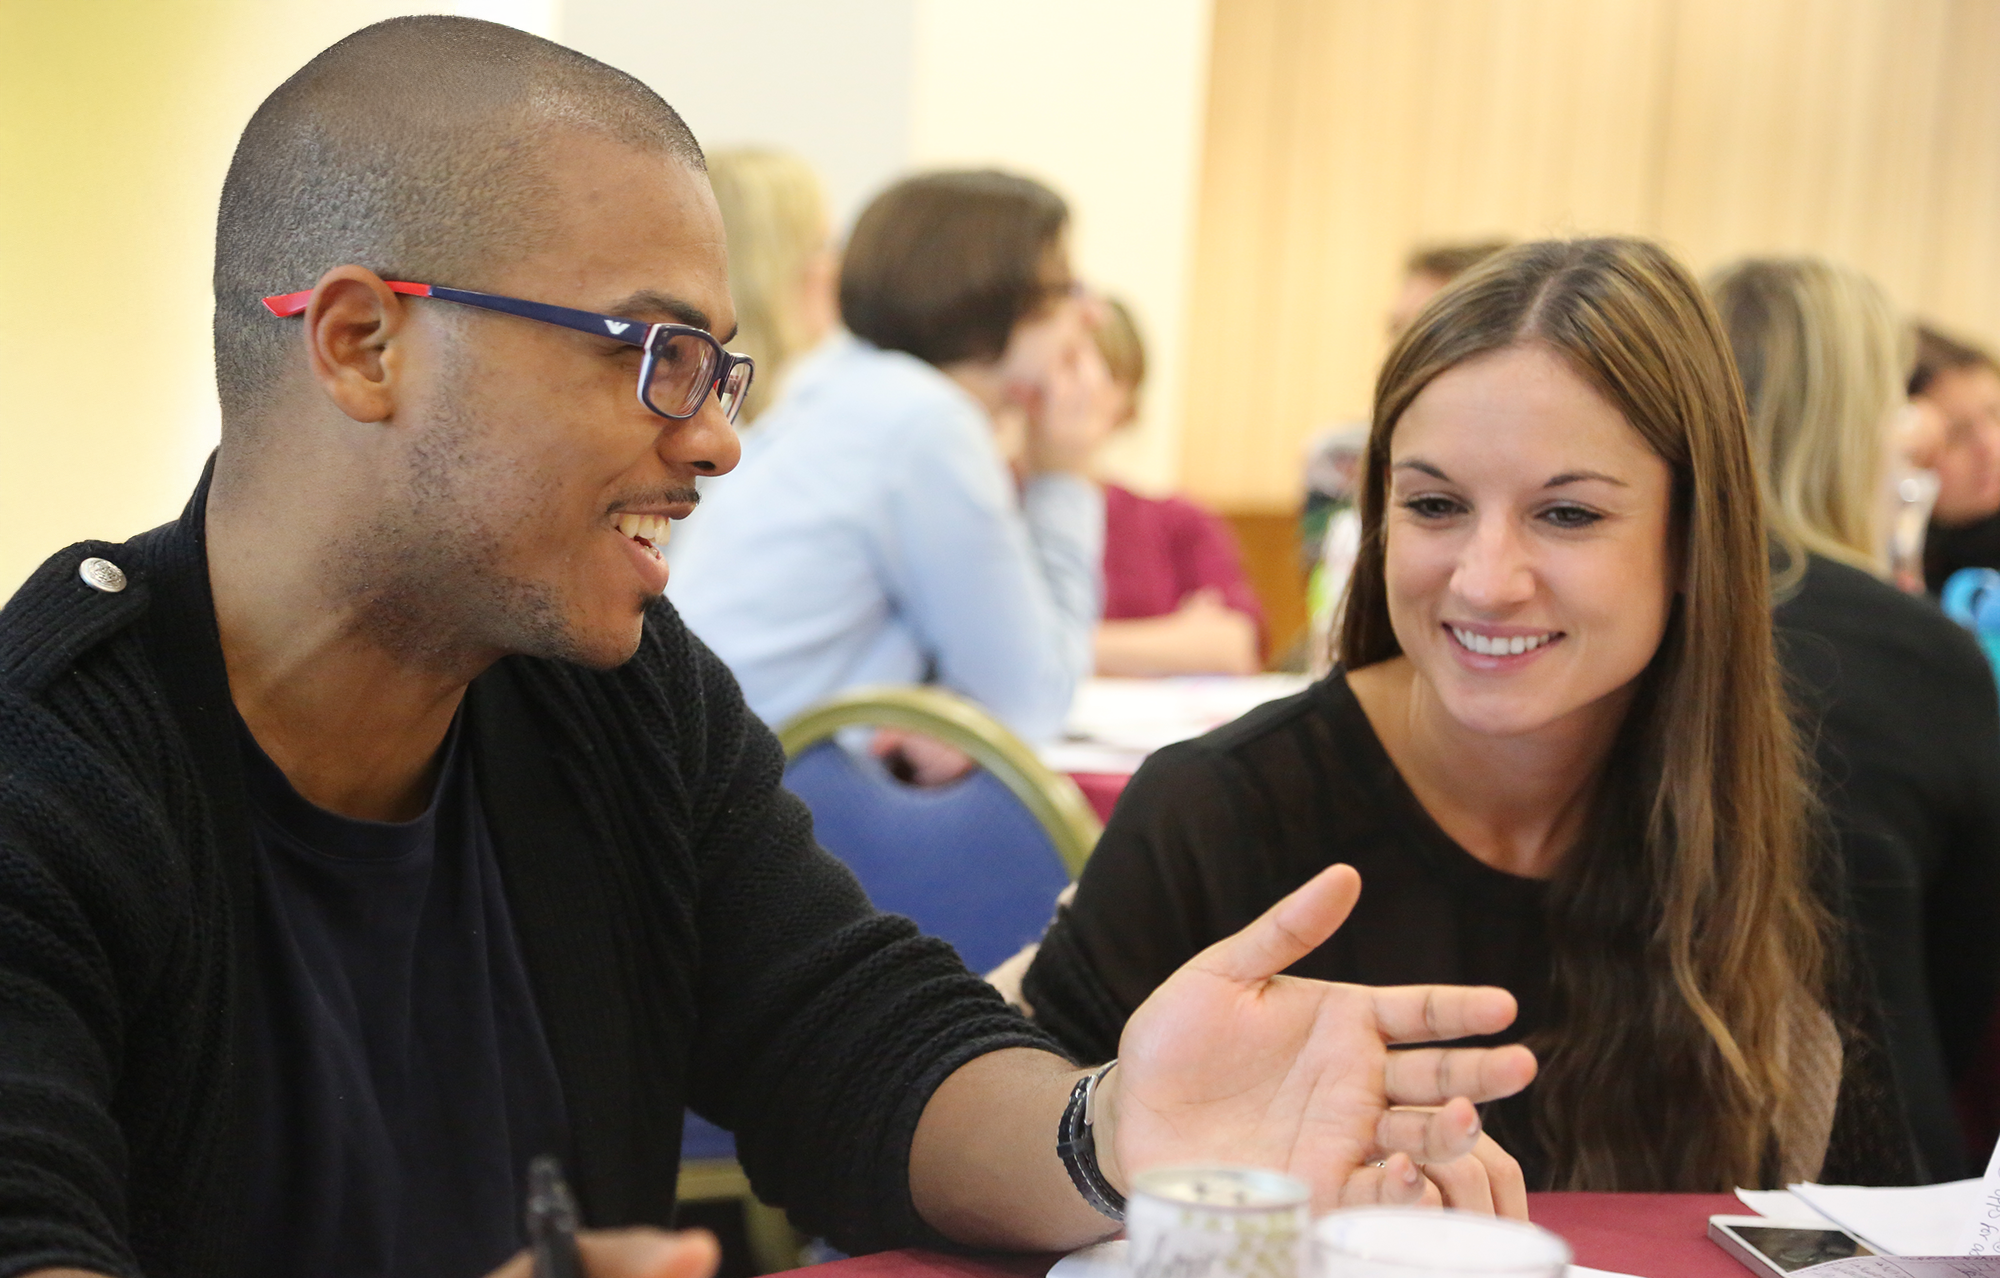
872	534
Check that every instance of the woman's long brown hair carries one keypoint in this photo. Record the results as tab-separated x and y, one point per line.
1684	927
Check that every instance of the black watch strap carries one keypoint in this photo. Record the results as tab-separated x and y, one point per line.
1076	1145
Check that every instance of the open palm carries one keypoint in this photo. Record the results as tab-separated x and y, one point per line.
1230	1062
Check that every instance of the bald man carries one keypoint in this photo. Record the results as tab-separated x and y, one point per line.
376	827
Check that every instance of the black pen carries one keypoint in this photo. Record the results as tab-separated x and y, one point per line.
552	1222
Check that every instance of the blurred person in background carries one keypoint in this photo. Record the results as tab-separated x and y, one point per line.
1896	699
1556	749
1175	597
782	269
875	532
1328	524
1956	388
1426	272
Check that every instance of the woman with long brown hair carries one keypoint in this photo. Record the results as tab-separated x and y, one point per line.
1555	746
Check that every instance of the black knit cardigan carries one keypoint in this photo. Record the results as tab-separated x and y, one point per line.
687	942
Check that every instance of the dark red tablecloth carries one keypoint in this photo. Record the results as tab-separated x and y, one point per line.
1101	788
1651	1235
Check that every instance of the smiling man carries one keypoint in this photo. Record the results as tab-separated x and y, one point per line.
376	827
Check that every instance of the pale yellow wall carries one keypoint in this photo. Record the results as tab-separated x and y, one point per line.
1105	101
1342	132
117	118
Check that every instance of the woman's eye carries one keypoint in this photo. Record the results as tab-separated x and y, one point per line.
1571	516
1431	507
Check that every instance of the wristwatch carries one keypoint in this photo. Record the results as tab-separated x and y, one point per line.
1076	1145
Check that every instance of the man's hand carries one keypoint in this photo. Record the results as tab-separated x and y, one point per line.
635	1253
1230	1062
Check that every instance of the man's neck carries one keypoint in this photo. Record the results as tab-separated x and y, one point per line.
354	723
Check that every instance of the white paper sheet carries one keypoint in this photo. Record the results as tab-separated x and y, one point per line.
1922	1220
1107	1260
1783	1206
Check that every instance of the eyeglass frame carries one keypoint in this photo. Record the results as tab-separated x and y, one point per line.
286	305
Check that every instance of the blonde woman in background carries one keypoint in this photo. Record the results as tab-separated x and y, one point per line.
782	268
1897	701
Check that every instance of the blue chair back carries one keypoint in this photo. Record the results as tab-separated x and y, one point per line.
967	861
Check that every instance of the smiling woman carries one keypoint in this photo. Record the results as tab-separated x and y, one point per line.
1555	747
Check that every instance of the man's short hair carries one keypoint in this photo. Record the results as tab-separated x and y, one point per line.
412	148
1937	354
1449	261
943	265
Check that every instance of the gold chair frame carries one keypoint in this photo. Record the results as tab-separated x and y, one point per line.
1053	799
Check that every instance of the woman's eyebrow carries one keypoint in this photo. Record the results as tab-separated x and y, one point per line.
1424	466
1581	476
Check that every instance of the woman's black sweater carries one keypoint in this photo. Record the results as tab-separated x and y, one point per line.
1210	833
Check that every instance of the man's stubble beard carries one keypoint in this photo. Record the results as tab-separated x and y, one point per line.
430	569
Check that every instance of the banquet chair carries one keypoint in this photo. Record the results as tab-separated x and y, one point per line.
977	862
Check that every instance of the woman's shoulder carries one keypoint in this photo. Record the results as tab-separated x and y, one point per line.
1313	737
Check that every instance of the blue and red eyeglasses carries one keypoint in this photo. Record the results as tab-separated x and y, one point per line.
682	363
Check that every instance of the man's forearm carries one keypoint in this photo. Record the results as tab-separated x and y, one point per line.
984	1170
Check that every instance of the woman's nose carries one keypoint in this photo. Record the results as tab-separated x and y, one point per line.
1493	569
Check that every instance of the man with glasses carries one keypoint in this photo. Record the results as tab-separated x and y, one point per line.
375	828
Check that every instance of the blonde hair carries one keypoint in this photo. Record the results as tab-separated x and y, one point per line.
1823	360
775	214
1687	942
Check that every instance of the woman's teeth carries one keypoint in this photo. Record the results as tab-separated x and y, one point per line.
1500	645
650	531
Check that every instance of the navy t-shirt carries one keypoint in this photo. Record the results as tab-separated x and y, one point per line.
401	1081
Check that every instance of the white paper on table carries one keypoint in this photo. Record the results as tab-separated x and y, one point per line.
1980	1234
1107	1260
1919	1220
1906	1267
1784	1207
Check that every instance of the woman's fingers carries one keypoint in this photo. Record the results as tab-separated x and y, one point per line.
1394	1182
1430	1135
1464	1184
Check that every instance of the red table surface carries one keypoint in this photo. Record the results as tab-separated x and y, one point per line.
1651	1235
1101	789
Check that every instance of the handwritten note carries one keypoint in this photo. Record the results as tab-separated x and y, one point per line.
1906	1267
1982	1232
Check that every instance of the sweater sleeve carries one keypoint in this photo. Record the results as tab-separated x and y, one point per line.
63	1154
824	1026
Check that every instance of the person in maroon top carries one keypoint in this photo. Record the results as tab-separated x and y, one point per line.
1176	600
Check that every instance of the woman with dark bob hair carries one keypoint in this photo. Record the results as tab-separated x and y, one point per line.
875	532
1555	747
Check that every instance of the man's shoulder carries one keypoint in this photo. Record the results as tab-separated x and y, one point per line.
80	599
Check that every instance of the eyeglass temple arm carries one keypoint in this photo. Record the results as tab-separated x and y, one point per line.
632	332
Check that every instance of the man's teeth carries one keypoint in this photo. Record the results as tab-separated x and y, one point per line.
1500	645
650	531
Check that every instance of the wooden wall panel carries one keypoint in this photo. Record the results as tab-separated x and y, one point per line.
1342	132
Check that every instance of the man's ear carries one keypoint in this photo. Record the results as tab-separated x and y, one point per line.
352	325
